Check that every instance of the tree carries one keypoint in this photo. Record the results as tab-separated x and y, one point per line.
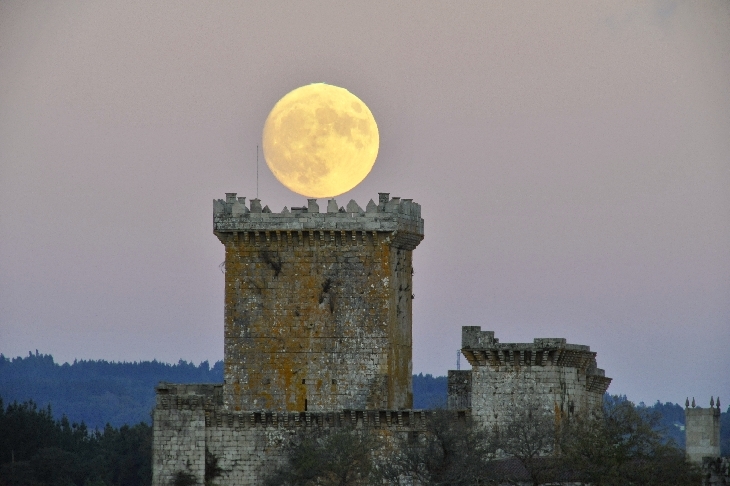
529	436
37	450
451	450
620	445
340	457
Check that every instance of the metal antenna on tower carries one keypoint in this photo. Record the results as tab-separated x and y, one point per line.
458	359
257	171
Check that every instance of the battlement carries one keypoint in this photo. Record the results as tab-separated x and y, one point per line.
392	215
481	348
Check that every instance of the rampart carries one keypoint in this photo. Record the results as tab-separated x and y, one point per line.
191	419
563	377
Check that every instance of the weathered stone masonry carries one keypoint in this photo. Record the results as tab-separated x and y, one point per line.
702	431
318	305
190	419
317	334
562	377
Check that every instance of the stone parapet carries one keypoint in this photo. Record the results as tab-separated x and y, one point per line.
218	416
481	348
401	217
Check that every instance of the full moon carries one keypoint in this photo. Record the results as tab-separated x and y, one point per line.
320	140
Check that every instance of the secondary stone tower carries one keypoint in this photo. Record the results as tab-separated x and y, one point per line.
563	377
702	430
318	304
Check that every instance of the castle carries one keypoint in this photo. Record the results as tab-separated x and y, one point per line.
318	323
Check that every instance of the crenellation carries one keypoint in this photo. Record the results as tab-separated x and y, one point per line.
392	215
250	444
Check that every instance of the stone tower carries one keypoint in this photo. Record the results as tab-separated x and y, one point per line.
318	304
563	377
702	429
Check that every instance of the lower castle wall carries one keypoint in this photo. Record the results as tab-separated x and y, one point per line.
246	455
498	389
179	444
248	445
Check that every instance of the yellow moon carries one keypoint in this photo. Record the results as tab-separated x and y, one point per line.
320	140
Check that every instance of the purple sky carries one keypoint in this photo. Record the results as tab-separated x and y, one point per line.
572	160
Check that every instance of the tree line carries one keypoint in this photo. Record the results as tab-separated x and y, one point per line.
96	392
38	450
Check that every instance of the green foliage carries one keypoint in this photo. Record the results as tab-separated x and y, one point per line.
36	450
671	421
619	446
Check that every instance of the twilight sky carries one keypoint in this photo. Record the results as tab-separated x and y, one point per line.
572	160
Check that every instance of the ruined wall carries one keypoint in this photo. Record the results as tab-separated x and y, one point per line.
318	305
252	444
564	377
702	429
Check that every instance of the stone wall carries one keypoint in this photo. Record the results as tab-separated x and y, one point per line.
563	377
248	445
318	305
179	429
458	389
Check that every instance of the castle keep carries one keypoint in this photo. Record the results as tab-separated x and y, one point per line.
318	304
317	334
